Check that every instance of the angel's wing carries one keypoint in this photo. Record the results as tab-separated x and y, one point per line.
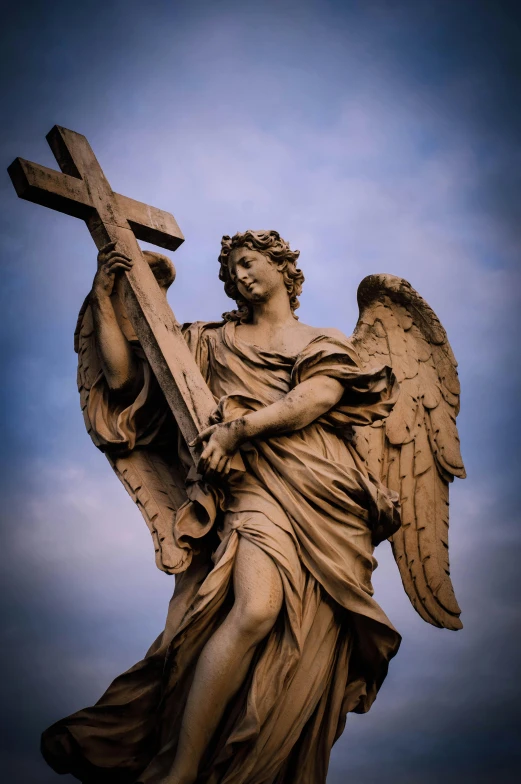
153	480
415	451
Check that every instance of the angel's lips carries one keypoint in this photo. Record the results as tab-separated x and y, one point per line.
250	286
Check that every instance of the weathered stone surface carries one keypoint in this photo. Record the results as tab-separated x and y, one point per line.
82	190
272	635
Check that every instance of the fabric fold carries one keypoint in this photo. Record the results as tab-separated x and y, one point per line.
309	502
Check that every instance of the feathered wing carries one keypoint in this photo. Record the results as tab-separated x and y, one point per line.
415	451
155	482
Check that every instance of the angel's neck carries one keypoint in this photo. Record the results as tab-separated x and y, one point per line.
274	312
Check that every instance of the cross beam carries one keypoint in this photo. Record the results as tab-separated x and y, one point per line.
82	190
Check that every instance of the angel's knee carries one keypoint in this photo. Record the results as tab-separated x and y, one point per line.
253	621
258	594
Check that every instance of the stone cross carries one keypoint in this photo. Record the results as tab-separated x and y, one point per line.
83	191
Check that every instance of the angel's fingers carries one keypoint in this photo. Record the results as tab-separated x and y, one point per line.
221	465
117	254
111	270
212	465
204	435
228	467
206	453
106	248
118	262
204	459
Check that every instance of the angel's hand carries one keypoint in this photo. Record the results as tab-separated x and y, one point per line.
110	262
221	443
216	416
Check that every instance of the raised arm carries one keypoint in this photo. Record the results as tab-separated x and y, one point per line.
120	367
301	406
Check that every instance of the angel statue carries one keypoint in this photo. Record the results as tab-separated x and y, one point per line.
272	634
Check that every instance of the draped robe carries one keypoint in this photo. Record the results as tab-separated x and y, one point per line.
309	502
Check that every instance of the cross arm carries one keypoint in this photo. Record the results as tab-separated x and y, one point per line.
150	224
68	194
82	190
50	188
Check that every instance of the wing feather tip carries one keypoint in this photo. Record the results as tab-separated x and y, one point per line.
453	625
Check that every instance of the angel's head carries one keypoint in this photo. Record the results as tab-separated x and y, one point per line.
253	265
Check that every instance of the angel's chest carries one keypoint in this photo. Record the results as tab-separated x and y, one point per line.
230	374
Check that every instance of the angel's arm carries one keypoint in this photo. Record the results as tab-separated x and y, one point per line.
306	402
120	367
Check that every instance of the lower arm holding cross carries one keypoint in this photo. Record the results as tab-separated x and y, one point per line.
306	402
301	406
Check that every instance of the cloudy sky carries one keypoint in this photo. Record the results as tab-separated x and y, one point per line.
376	137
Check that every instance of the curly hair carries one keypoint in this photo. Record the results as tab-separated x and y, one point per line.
271	244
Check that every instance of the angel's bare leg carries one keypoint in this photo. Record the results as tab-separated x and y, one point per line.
225	659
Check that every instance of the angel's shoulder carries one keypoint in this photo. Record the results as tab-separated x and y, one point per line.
333	332
316	340
203	329
328	333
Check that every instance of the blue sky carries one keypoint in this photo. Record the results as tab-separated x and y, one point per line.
376	137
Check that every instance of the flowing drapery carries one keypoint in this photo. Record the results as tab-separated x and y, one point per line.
307	500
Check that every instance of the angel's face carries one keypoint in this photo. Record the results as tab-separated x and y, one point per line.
255	275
